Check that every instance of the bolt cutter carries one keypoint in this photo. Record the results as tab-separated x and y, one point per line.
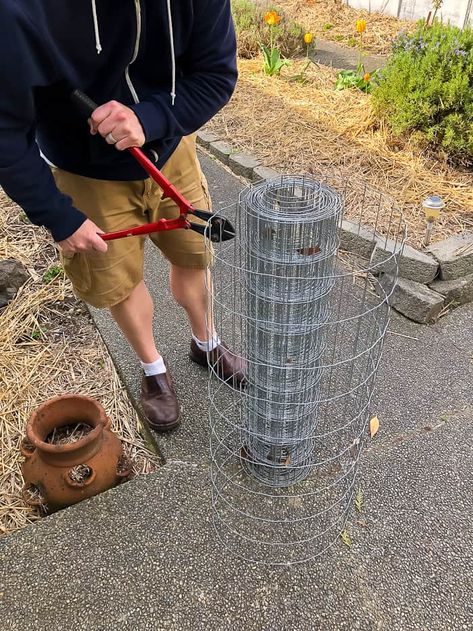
216	229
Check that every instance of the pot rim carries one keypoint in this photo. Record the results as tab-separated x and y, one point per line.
71	447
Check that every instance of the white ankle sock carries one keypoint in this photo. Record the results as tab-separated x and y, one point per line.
154	368
208	345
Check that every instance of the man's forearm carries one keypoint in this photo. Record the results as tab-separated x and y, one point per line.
29	182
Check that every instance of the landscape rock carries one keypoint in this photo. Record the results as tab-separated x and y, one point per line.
261	173
221	150
13	275
413	264
243	164
355	237
414	300
459	291
455	256
204	138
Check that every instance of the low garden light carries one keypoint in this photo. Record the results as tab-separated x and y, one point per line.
432	206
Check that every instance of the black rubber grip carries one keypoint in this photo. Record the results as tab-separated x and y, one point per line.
83	102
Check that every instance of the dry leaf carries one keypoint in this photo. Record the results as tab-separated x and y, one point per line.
374	426
295	502
359	500
345	537
310	251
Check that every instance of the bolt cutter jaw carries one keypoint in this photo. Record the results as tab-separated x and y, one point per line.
217	229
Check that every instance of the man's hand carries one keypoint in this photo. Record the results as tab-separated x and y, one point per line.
118	124
84	239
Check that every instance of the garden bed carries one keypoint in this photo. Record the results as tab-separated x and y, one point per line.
335	21
49	346
309	127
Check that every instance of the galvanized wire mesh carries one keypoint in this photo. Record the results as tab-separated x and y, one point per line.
309	319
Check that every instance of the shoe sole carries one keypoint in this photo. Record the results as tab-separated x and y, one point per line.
162	429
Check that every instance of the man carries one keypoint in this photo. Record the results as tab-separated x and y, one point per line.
160	69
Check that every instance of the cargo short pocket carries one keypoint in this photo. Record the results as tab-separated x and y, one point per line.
77	270
205	191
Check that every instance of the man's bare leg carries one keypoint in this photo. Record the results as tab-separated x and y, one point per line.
134	316
188	286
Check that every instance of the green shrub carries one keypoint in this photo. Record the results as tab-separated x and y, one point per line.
427	89
252	30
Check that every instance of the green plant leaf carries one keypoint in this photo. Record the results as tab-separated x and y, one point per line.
266	54
53	272
23	218
37	334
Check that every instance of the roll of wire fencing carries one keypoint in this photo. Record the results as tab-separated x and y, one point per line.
302	294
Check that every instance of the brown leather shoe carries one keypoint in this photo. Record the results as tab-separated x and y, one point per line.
159	402
226	364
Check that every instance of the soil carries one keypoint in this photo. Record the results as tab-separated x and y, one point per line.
49	345
337	132
335	21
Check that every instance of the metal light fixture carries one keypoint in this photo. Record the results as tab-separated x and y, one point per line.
433	206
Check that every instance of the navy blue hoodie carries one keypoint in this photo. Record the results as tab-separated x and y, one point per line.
172	61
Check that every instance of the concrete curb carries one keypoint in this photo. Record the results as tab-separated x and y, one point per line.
430	282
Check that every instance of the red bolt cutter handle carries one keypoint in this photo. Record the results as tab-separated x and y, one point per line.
158	226
168	189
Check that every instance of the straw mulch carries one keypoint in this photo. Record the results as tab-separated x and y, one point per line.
49	346
311	128
316	15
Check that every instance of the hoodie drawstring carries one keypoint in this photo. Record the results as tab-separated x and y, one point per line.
173	53
98	44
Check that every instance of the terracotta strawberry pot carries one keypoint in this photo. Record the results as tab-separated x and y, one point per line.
58	475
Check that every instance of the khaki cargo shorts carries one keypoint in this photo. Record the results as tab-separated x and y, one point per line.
105	279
